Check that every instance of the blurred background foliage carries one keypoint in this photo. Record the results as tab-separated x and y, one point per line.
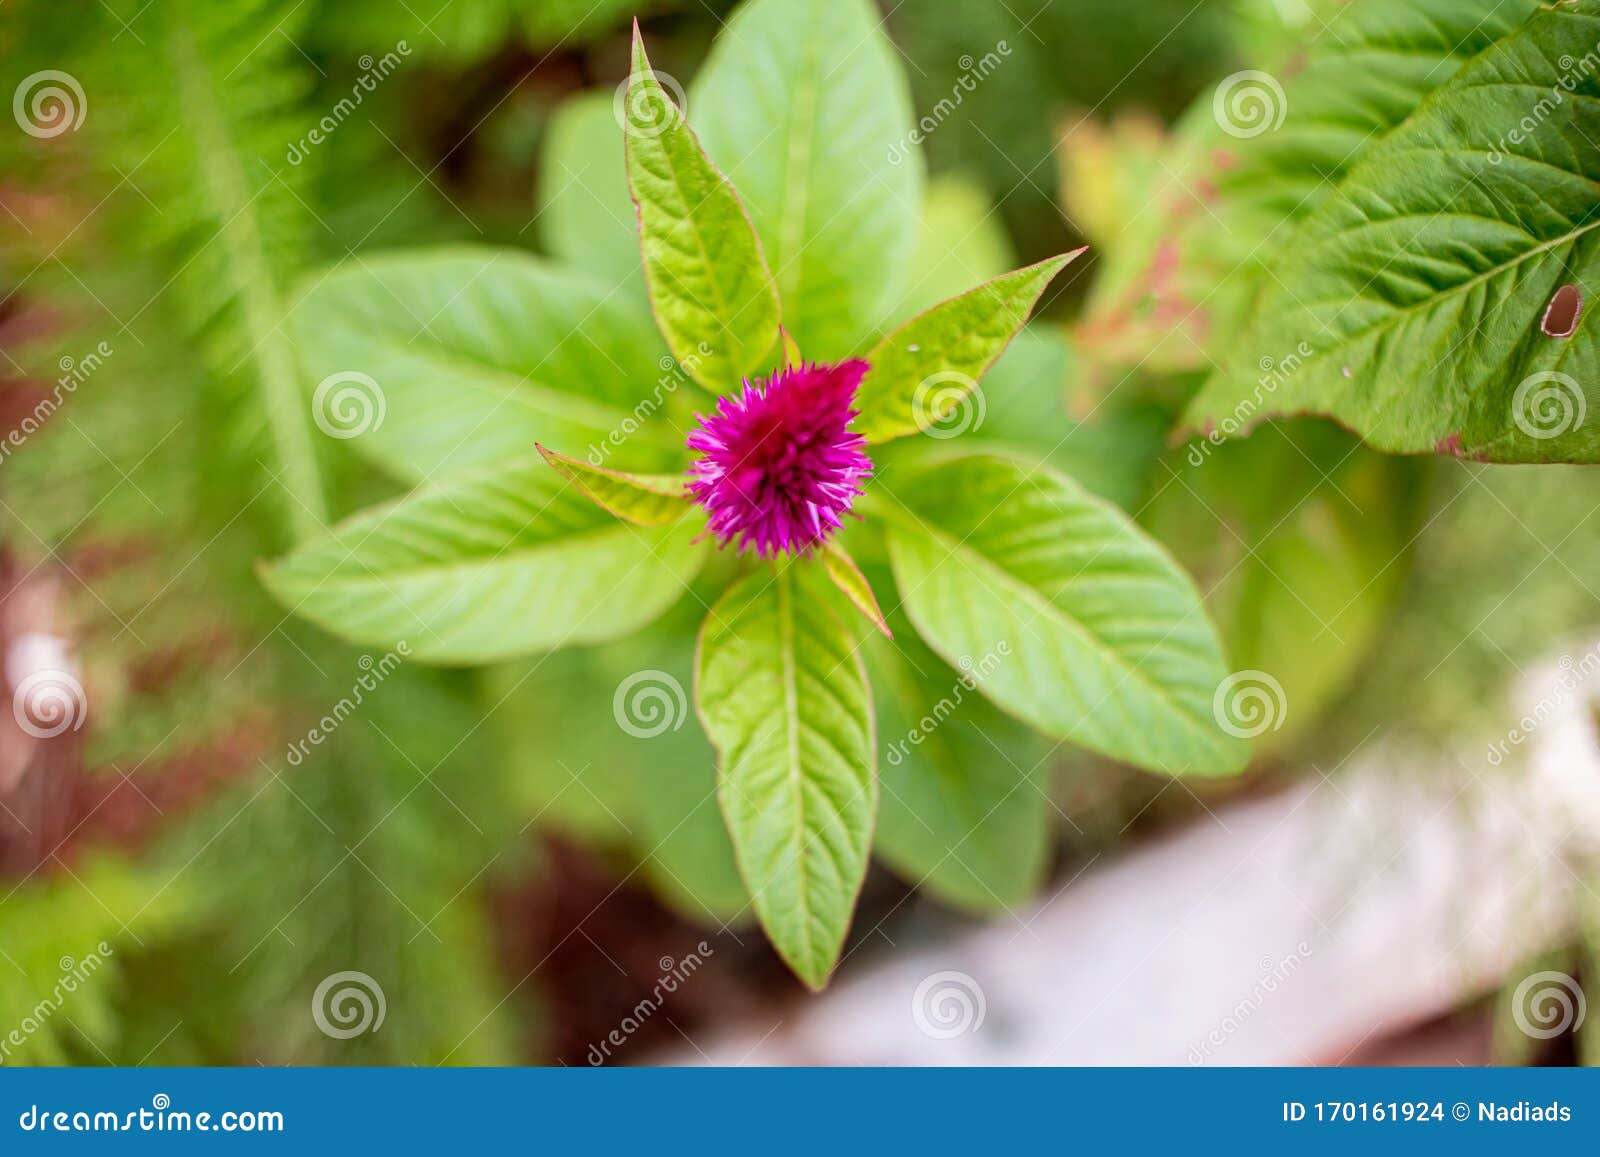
488	843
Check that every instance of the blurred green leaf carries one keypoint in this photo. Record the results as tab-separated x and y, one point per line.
586	216
1303	574
432	361
961	242
964	812
802	103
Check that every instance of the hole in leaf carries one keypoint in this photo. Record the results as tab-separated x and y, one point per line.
1561	315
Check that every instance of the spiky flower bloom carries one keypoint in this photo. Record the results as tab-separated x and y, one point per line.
778	466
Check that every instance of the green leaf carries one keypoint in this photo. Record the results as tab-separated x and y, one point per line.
1419	291
923	370
494	563
1026	416
961	241
713	293
1112	648
603	745
1302	575
804	105
964	814
586	216
1218	208
644	499
474	354
842	571
785	700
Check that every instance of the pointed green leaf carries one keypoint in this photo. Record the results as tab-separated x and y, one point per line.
804	105
785	700
843	572
1415	301
493	563
470	355
709	283
1112	649
644	499
926	368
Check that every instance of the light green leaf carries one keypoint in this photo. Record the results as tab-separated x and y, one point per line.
1302	575
470	355
842	571
961	241
1415	297
604	746
709	283
964	814
491	564
1110	646
804	105
586	217
785	700
644	499
923	370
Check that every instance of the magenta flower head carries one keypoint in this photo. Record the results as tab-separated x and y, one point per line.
778	466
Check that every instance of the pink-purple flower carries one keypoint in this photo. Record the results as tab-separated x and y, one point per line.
779	467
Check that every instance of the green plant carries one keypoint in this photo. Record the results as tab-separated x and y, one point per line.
554	510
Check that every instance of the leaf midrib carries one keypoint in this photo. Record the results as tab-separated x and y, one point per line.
374	576
791	715
523	390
